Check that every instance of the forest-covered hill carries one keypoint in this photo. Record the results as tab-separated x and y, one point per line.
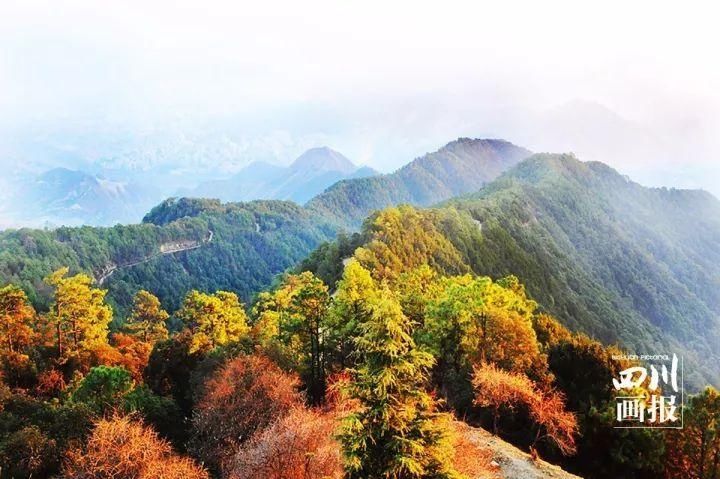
250	244
607	256
252	241
621	262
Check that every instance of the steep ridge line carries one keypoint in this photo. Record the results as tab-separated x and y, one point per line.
165	248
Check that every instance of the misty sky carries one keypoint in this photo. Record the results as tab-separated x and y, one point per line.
214	85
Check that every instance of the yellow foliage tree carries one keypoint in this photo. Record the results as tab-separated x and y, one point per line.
147	319
79	314
214	319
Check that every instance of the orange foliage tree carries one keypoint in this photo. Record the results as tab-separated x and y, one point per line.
297	446
694	450
499	389
121	447
244	396
133	354
16	333
16	316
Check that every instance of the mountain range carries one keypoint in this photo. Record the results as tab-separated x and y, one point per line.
72	197
63	196
308	175
621	262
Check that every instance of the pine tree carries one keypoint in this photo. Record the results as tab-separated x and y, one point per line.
16	316
349	309
148	319
79	314
395	432
309	307
292	321
214	319
17	335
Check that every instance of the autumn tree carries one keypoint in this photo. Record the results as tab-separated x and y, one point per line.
694	451
122	447
355	290
295	318
244	396
148	319
394	432
131	353
416	289
499	389
16	331
471	319
79	314
16	316
309	311
214	319
299	445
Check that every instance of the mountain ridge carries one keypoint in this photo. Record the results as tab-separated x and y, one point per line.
459	167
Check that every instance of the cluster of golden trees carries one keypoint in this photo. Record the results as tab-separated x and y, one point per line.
358	379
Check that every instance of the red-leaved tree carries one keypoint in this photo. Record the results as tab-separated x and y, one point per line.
244	396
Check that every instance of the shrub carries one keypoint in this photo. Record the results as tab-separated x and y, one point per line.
121	447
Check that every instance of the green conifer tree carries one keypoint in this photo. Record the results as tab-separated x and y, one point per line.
395	432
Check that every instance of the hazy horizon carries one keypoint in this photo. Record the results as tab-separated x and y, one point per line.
191	91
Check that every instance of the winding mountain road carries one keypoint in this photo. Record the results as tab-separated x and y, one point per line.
165	248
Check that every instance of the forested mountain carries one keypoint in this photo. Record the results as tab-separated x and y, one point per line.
607	256
461	166
182	244
253	242
308	175
624	263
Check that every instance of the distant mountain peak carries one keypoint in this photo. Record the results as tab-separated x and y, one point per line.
313	172
323	159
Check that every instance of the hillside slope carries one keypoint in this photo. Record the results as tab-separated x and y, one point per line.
506	460
209	246
608	257
622	262
462	166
